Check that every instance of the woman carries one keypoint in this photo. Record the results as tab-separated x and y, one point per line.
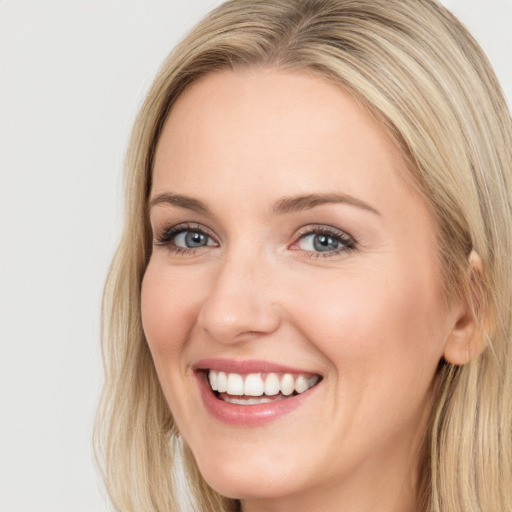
311	302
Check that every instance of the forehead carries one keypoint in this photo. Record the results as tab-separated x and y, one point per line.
273	131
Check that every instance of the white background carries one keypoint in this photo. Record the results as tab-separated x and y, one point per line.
72	76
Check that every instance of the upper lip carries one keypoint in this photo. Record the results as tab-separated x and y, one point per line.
246	366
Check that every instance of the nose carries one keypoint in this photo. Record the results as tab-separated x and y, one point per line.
241	303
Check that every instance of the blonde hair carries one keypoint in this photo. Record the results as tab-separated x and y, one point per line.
418	70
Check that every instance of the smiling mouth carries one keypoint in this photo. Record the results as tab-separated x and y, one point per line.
259	388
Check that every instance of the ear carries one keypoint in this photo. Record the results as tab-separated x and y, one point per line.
468	339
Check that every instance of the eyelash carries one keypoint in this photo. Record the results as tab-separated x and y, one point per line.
347	242
169	234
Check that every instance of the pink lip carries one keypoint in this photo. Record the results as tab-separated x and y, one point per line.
246	415
243	367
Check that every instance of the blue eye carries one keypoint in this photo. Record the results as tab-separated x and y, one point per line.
185	238
324	240
192	240
320	242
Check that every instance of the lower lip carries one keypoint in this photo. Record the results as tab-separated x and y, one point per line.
247	415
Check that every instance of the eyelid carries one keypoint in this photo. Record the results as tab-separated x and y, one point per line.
168	233
348	241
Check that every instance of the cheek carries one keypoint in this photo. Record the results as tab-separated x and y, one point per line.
372	327
168	313
383	342
167	310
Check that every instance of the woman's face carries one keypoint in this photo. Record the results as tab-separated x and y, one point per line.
288	251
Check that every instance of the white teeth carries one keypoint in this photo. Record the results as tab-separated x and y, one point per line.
222	382
256	385
250	401
235	384
272	386
311	382
213	378
287	384
301	384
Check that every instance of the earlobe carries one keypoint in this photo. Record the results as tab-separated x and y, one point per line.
464	343
468	339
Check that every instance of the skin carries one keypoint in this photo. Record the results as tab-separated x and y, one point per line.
372	320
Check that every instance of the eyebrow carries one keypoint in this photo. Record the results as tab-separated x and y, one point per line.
305	202
281	207
181	201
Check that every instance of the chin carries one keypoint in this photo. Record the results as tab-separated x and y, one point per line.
240	478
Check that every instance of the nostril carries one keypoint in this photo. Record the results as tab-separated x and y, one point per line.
234	327
238	307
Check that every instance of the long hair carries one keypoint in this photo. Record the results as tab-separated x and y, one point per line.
415	67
